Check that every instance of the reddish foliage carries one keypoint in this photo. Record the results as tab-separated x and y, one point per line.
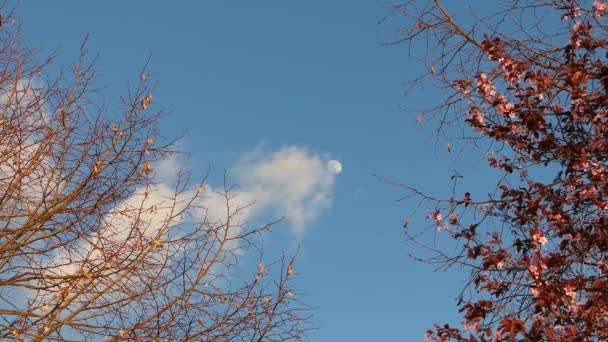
536	248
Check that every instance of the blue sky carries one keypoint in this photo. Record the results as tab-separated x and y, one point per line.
259	79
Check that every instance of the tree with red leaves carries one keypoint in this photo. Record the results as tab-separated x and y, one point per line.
529	81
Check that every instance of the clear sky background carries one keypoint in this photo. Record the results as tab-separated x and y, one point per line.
266	85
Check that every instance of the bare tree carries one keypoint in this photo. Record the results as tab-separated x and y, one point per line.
526	83
94	247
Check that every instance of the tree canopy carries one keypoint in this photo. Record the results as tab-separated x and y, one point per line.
93	246
528	85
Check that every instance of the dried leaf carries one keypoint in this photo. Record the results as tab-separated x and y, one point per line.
157	244
260	271
147	168
145	102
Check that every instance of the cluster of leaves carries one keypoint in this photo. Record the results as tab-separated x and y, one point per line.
536	249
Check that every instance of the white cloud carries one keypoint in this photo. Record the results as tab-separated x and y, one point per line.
26	147
292	182
138	218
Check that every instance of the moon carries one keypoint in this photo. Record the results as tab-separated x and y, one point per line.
335	166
